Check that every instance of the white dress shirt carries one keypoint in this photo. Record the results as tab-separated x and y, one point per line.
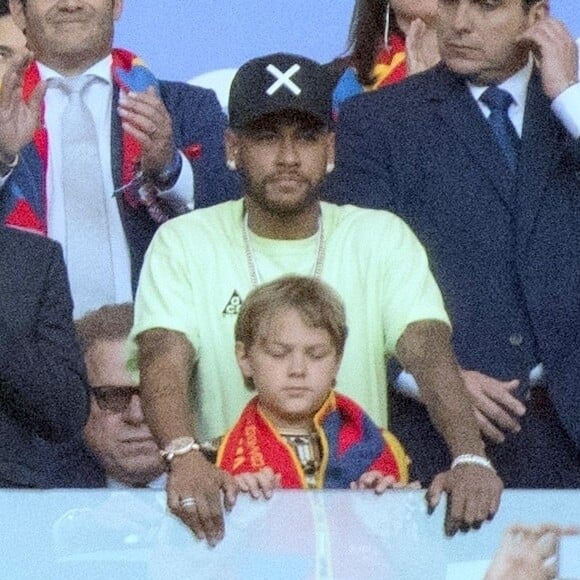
99	98
566	106
517	87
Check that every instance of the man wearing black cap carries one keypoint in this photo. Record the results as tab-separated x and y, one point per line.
200	267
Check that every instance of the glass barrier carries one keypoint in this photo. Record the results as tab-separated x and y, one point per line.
101	534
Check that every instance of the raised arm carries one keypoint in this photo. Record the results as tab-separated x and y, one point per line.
556	54
18	118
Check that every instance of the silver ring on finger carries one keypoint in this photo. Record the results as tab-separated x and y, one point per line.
187	502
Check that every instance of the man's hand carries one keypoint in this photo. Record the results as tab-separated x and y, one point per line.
19	119
260	484
193	479
495	407
556	54
145	117
528	553
421	48
473	496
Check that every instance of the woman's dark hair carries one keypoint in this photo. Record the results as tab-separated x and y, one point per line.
366	36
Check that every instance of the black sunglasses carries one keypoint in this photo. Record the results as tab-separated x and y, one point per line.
114	399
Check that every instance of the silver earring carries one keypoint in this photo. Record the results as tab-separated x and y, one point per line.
387	23
329	167
231	164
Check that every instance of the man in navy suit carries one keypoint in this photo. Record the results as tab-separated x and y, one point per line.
160	143
44	396
499	217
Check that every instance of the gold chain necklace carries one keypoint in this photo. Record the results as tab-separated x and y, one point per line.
251	259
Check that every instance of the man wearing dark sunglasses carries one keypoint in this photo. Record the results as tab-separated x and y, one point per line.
116	431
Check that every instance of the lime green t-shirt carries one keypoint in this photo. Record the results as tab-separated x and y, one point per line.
196	275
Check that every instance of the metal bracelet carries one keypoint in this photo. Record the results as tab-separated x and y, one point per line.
469	458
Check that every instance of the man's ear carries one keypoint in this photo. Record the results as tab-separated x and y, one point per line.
232	143
538	11
330	148
337	366
117	9
18	13
243	360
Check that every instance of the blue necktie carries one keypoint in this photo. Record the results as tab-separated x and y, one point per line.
499	102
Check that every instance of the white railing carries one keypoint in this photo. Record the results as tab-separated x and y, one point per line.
129	535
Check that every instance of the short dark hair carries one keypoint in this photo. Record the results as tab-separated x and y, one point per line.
109	322
4	8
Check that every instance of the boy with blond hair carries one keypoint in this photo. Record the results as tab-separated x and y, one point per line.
297	432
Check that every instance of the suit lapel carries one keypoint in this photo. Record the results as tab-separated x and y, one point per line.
542	145
116	140
459	111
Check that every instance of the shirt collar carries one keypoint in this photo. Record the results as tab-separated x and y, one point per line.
516	85
101	69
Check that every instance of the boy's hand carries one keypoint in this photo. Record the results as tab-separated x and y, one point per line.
259	484
380	483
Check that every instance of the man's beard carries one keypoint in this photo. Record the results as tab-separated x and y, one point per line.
258	194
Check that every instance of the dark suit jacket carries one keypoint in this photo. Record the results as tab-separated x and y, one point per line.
197	120
43	391
505	251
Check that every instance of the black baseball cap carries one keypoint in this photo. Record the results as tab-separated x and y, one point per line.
280	82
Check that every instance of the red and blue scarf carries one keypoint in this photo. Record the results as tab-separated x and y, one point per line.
391	65
28	208
390	68
351	445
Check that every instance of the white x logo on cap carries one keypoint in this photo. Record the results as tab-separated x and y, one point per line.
283	79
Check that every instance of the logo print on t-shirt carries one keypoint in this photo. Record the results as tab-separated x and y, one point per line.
234	304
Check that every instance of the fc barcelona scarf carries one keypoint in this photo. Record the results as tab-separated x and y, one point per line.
129	73
391	66
351	445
